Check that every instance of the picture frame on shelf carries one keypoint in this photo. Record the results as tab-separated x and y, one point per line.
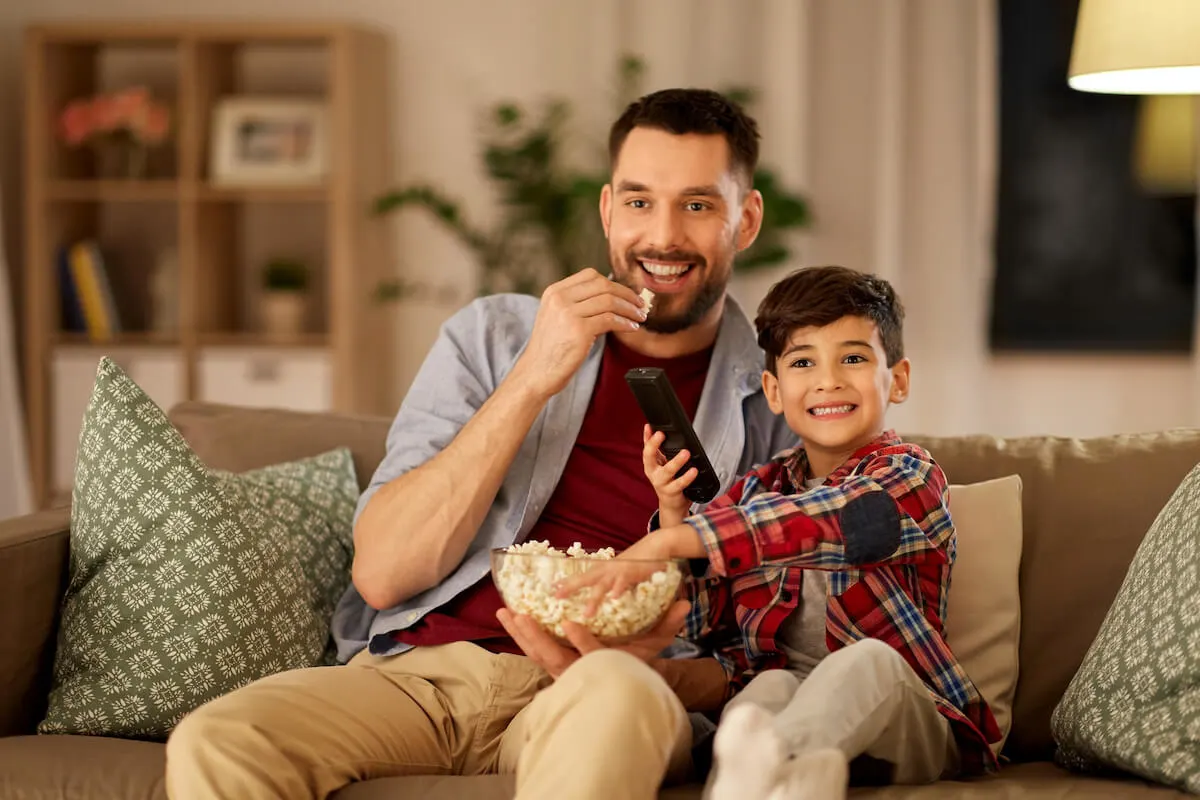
269	141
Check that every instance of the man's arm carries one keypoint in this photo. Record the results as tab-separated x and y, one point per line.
416	527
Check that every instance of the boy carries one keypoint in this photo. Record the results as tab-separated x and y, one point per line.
834	561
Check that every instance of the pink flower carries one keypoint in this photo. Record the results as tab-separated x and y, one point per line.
153	126
106	114
75	122
129	105
130	111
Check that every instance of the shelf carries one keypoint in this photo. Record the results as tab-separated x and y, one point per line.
125	339
261	340
263	194
116	191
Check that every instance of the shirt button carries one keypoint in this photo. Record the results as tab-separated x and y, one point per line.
735	562
786	596
412	615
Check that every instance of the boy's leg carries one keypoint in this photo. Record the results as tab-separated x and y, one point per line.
747	753
609	727
865	699
306	733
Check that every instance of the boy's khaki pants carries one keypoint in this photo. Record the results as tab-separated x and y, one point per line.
861	699
608	727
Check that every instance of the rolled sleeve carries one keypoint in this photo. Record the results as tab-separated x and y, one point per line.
729	539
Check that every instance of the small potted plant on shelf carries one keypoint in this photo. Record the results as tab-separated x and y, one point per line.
121	127
284	298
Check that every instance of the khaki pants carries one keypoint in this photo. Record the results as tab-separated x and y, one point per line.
609	727
861	699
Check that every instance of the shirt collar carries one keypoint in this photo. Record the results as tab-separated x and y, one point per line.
796	463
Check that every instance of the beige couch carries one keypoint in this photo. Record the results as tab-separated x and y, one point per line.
1087	505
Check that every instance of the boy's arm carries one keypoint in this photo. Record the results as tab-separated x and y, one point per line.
892	512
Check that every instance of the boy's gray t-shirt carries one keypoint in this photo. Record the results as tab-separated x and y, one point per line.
802	634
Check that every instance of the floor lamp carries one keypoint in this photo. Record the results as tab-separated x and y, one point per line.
1146	47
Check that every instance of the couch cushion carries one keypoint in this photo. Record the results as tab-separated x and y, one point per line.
81	768
1037	781
1135	702
187	582
983	614
238	439
98	768
1086	504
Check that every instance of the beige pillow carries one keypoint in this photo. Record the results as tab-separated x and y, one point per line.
983	615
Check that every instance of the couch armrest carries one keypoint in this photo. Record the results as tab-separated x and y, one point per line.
33	573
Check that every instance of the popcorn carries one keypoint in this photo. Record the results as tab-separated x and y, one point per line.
648	298
527	586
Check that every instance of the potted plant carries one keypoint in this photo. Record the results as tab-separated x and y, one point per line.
284	298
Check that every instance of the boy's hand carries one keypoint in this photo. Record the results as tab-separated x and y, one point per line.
633	565
673	507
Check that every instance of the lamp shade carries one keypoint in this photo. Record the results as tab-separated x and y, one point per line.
1136	47
1164	153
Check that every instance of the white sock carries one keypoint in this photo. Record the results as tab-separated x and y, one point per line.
747	754
822	774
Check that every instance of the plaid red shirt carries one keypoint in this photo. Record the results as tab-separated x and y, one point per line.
881	528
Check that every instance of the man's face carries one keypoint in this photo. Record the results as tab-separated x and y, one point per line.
675	216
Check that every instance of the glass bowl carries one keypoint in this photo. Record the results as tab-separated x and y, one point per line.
528	581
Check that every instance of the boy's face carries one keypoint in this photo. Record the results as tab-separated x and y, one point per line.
833	386
675	216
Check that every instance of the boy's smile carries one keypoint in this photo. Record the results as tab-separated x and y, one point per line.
833	385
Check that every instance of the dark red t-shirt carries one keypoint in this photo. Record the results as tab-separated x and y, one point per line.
602	500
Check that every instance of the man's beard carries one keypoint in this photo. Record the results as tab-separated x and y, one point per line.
710	293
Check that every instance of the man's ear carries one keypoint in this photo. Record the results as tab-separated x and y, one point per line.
751	219
900	377
606	207
770	385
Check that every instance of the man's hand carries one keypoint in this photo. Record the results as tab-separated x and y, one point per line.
553	657
673	507
574	311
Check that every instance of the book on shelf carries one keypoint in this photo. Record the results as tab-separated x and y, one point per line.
86	292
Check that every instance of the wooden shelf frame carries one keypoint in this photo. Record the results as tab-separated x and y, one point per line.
61	64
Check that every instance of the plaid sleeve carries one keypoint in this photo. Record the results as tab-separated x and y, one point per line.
891	511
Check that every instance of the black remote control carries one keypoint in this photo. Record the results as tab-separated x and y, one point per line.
665	413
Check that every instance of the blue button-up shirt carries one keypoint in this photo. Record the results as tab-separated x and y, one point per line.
474	351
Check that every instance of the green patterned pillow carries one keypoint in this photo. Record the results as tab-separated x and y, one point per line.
1134	704
187	582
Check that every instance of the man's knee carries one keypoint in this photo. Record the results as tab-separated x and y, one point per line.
210	725
622	683
191	733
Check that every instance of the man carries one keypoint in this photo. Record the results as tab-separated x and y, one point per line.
519	426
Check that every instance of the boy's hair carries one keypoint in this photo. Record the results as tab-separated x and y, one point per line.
820	296
682	111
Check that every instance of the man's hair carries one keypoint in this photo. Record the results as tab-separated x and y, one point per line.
682	111
820	296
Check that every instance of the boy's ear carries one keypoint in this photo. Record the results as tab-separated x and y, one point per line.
900	376
770	385
606	207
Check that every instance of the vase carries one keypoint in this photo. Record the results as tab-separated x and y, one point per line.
283	314
121	160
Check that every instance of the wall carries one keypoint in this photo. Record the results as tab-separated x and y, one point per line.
880	110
